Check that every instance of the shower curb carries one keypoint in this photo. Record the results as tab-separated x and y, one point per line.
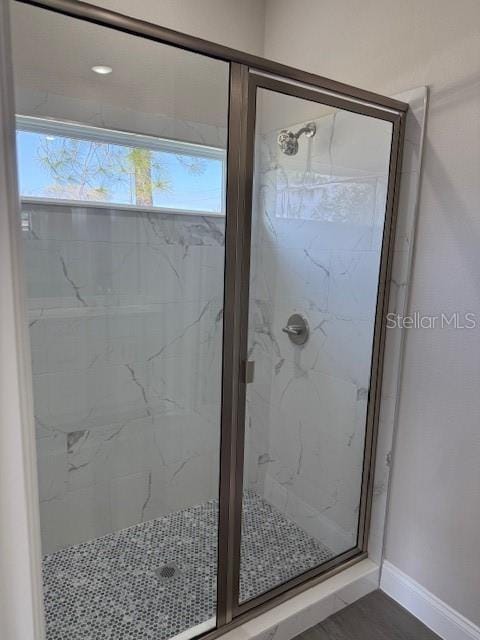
307	609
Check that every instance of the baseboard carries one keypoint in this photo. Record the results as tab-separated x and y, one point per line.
433	612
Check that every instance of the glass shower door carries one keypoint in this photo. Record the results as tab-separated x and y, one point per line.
123	222
205	380
318	211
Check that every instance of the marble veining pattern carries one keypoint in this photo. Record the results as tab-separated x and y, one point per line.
108	587
126	316
317	226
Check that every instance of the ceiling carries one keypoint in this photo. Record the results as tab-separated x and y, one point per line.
53	53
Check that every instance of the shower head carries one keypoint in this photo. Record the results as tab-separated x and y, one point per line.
288	141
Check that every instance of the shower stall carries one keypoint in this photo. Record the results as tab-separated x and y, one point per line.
207	240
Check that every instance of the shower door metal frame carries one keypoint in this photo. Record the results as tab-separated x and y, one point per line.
248	73
258	80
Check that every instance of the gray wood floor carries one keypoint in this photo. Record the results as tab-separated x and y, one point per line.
374	617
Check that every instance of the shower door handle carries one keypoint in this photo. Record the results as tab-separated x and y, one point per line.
249	371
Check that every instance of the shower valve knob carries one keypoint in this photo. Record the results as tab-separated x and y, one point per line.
292	329
297	329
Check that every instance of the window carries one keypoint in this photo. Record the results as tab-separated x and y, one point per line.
59	161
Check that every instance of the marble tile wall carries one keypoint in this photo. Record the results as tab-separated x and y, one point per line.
126	333
318	222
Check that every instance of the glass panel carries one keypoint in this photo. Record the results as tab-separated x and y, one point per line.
318	214
125	310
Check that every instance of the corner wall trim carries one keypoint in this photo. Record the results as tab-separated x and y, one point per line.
433	612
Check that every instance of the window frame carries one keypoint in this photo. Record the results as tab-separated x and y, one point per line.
78	131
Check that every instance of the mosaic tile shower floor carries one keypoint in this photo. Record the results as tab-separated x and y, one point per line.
108	588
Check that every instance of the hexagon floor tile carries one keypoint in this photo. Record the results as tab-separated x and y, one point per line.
114	587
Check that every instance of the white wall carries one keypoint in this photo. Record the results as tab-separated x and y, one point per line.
388	46
233	23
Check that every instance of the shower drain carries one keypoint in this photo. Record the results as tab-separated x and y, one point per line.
168	571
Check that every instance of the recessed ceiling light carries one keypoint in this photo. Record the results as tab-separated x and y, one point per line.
102	69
